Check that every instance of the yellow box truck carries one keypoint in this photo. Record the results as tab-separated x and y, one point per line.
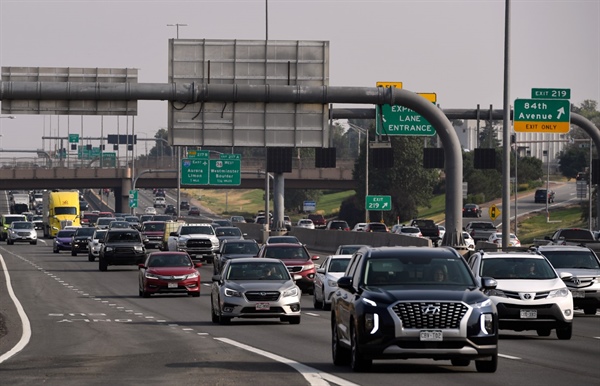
61	208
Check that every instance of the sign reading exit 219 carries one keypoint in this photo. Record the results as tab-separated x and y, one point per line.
378	202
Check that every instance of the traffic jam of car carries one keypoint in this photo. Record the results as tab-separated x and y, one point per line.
387	302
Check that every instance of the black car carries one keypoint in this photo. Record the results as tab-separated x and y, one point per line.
413	302
541	195
80	239
234	249
121	247
184	205
170	209
471	210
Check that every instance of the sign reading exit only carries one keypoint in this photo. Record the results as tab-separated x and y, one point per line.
378	202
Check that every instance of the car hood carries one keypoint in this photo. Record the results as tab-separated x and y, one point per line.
196	236
237	255
171	271
153	233
335	275
230	237
123	244
296	261
260	285
63	239
580	272
440	293
530	285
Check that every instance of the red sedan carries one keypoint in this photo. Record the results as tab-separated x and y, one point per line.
169	272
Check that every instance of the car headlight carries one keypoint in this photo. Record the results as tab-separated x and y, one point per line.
138	248
495	292
308	267
483	304
193	275
215	243
332	283
291	292
486	323
150	275
559	293
181	243
108	249
232	293
369	302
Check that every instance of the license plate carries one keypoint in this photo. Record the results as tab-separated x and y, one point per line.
263	306
528	314
173	285
431	335
578	294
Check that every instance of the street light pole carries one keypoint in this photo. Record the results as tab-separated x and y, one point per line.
177	25
366	132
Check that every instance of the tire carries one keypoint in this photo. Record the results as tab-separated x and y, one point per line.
33	242
91	257
213	314
145	294
460	362
564	333
326	306
316	304
294	319
340	355
102	266
487	366
358	362
8	242
73	253
589	310
195	294
543	332
55	250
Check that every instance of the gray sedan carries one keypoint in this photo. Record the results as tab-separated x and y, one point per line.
255	288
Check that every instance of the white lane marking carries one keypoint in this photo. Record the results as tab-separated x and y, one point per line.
313	376
311	314
597	337
509	357
26	335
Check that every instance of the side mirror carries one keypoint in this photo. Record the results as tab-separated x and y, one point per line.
488	283
315	257
345	282
216	278
197	264
321	270
565	275
140	266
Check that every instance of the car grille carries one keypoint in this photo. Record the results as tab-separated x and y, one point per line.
172	278
23	234
199	244
262	296
579	282
253	310
124	250
295	268
515	295
430	314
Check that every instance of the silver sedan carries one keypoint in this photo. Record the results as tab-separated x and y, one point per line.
255	288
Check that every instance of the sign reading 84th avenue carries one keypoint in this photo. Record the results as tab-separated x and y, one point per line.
542	115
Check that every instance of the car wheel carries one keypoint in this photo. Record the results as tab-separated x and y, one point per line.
195	294
293	319
460	362
358	362
55	250
341	355
8	242
589	310
33	242
564	333
213	312
316	303
102	266
487	366
543	332
326	306
73	253
91	257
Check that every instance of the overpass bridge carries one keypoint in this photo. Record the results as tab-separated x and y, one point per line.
23	173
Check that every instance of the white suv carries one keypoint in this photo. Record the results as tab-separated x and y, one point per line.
530	295
584	266
21	231
160	202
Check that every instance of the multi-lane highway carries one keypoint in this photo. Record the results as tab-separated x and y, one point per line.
63	322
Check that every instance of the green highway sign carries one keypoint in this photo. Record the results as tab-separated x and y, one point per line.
73	138
400	120
542	115
194	171
225	171
203	171
551	93
205	154
133	198
378	202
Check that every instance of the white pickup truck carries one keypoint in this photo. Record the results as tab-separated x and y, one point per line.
198	240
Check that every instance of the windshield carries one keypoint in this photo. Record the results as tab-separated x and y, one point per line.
10	220
517	268
256	271
572	259
85	231
154	226
287	253
338	265
23	225
65	210
422	271
124	237
65	233
228	232
199	230
241	249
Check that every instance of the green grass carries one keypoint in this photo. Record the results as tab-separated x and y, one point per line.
537	226
437	209
329	204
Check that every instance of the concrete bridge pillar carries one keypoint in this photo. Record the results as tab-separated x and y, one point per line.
122	196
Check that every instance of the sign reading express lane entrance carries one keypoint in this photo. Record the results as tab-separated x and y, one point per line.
204	171
400	120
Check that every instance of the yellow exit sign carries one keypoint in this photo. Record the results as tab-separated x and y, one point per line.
389	84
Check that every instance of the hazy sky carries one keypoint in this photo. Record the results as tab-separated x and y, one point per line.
450	47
